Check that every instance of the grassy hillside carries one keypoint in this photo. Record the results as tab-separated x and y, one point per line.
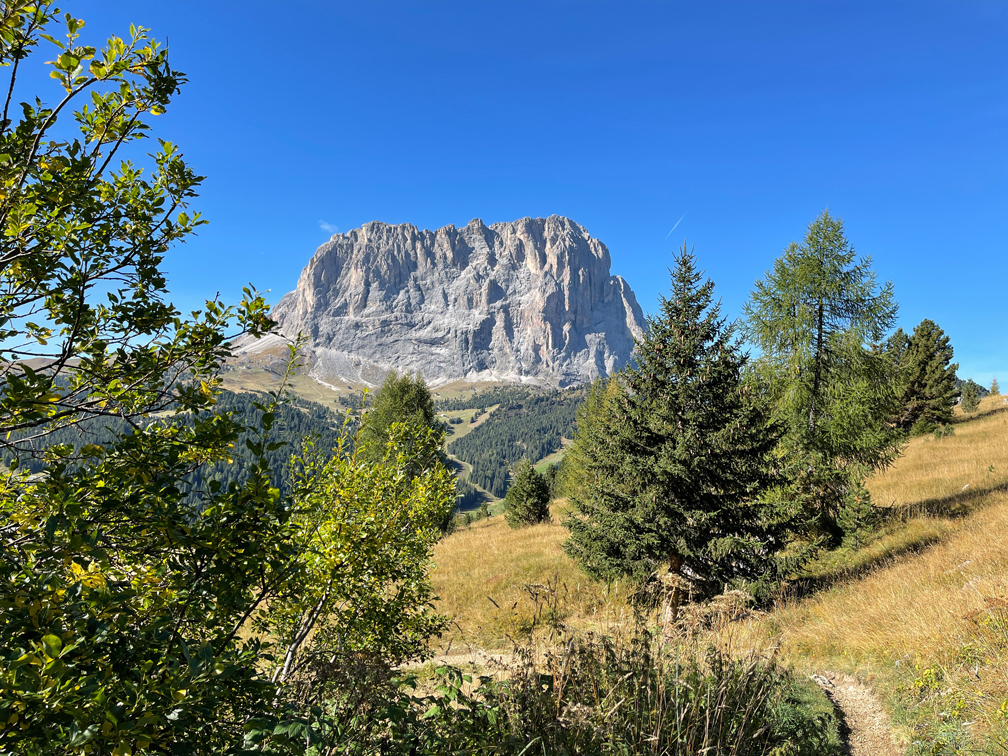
927	619
483	576
920	612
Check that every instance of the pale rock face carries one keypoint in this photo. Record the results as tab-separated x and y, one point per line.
529	301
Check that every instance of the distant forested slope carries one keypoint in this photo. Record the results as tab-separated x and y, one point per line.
532	427
496	395
527	423
296	420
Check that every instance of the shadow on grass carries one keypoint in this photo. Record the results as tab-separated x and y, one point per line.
954	506
806	585
966	419
958	504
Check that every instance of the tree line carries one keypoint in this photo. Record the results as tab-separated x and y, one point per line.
296	421
731	471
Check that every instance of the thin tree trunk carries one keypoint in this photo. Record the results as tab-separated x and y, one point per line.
307	624
817	378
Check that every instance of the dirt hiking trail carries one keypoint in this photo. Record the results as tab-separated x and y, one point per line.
865	726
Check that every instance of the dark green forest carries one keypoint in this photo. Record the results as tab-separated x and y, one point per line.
296	421
529	423
531	428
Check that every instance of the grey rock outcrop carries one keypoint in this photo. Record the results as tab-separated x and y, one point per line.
530	301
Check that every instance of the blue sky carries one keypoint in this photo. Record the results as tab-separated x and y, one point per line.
744	119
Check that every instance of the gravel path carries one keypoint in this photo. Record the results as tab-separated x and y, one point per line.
866	727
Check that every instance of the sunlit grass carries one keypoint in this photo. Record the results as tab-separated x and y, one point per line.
481	575
927	624
919	611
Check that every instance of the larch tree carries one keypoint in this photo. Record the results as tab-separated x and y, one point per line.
401	399
528	497
674	455
818	318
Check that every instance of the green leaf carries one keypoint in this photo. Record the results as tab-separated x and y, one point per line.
52	645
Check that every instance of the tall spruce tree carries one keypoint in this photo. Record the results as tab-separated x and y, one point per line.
817	319
674	456
995	390
926	376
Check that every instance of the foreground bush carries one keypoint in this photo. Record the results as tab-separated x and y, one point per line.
601	695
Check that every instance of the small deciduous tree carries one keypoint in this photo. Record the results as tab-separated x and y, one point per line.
127	587
674	456
357	599
528	497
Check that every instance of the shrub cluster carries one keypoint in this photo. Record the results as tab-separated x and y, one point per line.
595	694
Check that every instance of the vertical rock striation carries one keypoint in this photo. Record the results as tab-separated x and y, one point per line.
531	300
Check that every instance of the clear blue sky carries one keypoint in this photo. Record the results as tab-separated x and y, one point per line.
747	118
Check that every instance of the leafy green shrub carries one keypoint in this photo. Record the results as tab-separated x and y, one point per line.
944	431
922	427
858	517
527	499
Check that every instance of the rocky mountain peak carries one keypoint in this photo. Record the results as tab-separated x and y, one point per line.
531	300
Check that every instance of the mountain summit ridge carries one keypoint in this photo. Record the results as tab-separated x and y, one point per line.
530	300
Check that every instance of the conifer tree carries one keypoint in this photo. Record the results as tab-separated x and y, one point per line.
401	399
995	390
970	397
927	377
527	500
673	456
817	318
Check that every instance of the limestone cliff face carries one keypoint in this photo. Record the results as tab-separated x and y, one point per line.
531	300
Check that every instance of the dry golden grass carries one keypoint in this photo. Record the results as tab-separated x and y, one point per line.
935	471
930	628
941	610
493	561
463	429
300	385
921	611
